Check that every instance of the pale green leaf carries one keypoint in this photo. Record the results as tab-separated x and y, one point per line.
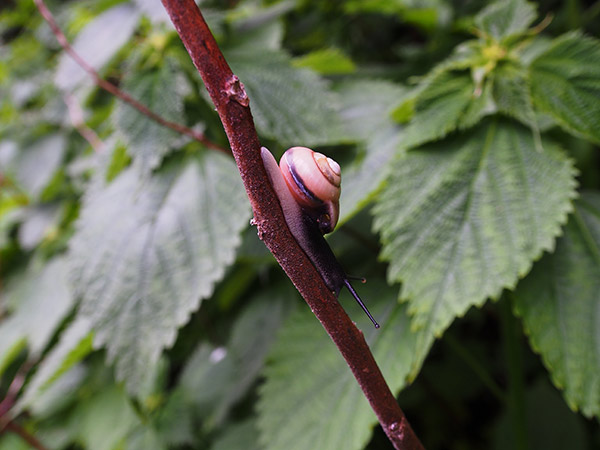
560	306
464	218
291	105
216	378
310	399
505	18
258	37
327	61
103	421
60	394
41	299
74	345
155	11
97	43
35	163
39	221
565	83
147	250
363	179
161	91
365	110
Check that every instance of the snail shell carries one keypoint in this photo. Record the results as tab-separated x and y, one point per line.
307	185
314	181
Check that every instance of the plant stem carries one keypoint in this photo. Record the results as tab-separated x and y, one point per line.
114	90
516	387
25	435
232	104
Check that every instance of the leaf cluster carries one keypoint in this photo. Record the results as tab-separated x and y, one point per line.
142	311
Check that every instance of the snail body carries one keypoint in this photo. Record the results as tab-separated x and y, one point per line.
307	184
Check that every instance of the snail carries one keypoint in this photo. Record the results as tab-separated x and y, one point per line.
307	184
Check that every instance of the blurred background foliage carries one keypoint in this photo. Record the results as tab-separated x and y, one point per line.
138	308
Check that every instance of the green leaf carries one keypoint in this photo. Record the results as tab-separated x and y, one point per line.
291	105
449	101
216	378
511	93
41	298
559	303
145	438
35	163
328	61
57	397
565	83
161	90
39	221
242	436
148	249
464	218
365	110
97	43
12	441
549	422
74	345
306	370
103	421
506	18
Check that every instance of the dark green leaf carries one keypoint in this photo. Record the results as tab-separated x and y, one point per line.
450	100
565	83
243	436
291	105
549	423
145	438
505	18
311	400
559	303
465	218
511	93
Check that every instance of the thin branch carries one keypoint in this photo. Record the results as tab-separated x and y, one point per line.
76	116
231	102
25	435
11	395
114	90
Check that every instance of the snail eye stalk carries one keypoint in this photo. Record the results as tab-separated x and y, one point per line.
360	302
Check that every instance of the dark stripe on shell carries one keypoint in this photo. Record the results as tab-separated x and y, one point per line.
300	183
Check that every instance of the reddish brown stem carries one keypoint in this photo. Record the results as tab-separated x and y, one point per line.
25	435
11	395
114	90
6	423
76	115
231	102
